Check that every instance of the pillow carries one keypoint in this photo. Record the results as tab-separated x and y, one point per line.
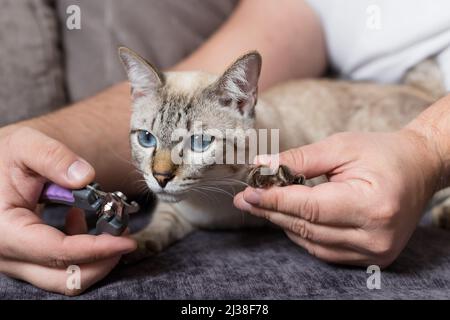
31	73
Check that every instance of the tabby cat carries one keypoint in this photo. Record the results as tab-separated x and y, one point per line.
199	195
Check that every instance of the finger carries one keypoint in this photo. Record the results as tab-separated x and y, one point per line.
51	159
345	237
42	244
331	254
60	280
311	160
76	222
331	203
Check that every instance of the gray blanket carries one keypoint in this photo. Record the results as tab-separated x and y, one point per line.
263	264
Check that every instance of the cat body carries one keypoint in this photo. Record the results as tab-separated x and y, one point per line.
304	111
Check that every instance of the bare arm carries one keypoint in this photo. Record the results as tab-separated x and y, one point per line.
52	147
286	32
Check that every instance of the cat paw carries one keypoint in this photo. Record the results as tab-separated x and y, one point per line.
257	178
136	256
441	215
148	245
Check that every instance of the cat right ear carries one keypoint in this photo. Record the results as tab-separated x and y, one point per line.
238	86
144	78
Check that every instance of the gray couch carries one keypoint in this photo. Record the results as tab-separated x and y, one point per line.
262	264
252	264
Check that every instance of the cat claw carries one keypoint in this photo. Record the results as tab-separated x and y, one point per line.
281	178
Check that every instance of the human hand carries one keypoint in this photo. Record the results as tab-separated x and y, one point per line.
378	186
31	250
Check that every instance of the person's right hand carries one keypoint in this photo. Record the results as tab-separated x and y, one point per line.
31	250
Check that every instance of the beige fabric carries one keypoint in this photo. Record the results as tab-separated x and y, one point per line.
164	31
31	81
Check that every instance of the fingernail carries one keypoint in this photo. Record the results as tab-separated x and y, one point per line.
252	196
78	171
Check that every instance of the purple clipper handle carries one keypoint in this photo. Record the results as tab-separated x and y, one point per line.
86	198
56	194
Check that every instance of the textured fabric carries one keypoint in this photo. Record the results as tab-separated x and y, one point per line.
242	264
162	31
263	264
380	40
31	81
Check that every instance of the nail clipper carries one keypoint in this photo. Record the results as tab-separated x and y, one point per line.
111	208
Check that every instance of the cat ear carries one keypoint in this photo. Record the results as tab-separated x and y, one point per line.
144	78
238	86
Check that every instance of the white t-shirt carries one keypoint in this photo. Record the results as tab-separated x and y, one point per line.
379	40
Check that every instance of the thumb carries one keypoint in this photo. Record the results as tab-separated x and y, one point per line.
50	159
311	160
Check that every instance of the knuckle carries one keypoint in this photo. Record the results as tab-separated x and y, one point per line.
53	154
294	158
58	261
266	215
277	199
300	228
386	212
52	150
71	292
383	249
309	210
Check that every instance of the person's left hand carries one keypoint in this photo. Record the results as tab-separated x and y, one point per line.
378	186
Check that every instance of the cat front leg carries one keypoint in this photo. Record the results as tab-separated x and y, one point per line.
440	211
165	228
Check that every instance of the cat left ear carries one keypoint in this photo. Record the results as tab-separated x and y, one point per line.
144	78
238	86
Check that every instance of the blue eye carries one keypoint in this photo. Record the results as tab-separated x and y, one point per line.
201	142
146	139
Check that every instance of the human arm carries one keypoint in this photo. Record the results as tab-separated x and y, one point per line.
95	131
287	33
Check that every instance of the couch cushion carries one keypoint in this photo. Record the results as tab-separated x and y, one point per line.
31	79
162	31
263	264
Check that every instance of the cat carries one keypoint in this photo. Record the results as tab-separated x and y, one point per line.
193	196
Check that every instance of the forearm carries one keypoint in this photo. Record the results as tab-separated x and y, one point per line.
434	125
97	130
286	32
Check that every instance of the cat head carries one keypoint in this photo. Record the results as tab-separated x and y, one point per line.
180	119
